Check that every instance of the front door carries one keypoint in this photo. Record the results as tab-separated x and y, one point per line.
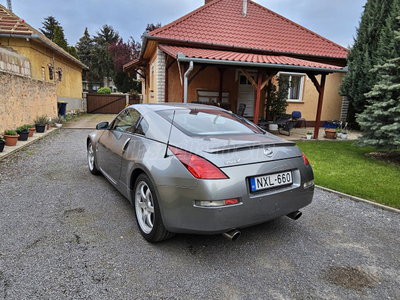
247	94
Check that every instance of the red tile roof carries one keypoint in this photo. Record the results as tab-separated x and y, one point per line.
243	57
221	22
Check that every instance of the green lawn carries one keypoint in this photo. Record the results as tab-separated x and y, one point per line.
345	168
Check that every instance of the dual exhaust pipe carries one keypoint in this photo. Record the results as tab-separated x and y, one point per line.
234	234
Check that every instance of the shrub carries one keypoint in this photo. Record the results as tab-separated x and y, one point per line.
104	90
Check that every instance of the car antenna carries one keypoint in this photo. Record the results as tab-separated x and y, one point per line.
169	135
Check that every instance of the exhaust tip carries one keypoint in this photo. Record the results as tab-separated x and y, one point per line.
232	235
295	215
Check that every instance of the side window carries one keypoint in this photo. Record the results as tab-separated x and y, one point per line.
126	120
142	127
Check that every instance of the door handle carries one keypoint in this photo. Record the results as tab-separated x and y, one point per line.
125	145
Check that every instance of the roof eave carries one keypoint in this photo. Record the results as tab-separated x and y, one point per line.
35	36
182	58
188	43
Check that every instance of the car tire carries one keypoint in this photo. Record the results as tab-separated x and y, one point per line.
147	211
91	159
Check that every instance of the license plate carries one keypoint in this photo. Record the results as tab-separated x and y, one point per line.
270	181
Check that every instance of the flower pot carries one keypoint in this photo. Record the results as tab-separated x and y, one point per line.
309	136
344	136
58	125
339	135
273	127
2	143
330	134
47	126
40	128
11	140
23	135
31	132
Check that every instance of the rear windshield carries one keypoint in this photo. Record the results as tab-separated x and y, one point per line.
203	122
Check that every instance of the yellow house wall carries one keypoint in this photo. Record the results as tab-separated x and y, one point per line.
151	81
332	102
40	56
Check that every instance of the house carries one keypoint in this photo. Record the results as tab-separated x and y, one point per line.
226	51
35	74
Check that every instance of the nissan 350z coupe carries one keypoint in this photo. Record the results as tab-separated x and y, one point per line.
190	168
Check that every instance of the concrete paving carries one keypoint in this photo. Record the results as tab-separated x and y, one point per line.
8	150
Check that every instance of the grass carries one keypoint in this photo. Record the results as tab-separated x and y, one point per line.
345	168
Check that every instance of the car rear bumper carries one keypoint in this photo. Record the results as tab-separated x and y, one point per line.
181	215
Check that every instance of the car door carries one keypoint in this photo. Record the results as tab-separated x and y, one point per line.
114	141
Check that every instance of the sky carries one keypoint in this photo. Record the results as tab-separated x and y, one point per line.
336	20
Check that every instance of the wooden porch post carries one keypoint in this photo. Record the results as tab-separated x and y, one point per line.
257	104
221	82
320	88
168	65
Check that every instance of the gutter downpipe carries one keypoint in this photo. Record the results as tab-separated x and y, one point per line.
185	82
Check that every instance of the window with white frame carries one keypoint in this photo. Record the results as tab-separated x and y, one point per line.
296	84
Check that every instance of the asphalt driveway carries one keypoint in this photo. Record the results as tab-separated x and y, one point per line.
66	234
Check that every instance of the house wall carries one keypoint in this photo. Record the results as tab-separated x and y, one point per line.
332	102
22	99
70	87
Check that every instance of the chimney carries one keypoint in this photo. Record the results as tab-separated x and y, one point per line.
207	1
244	12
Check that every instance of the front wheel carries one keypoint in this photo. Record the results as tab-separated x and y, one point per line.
91	159
147	211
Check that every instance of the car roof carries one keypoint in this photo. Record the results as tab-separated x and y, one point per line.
174	106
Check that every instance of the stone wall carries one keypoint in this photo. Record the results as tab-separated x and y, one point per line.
22	98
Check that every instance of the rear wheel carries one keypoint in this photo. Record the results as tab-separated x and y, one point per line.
91	160
147	211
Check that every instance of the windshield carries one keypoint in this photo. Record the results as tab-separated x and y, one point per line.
203	122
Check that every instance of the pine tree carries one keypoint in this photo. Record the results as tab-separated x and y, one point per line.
101	60
380	121
84	47
366	53
59	38
49	25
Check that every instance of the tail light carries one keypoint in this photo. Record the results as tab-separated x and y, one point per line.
306	162
198	166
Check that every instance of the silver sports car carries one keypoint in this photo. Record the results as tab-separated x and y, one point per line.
189	168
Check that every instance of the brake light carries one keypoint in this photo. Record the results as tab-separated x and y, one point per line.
198	166
306	162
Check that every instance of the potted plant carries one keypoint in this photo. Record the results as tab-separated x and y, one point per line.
309	135
2	142
344	134
40	123
11	137
330	133
31	129
23	132
338	132
59	121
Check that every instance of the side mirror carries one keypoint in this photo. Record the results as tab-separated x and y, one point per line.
102	125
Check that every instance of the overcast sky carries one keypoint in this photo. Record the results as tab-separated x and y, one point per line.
336	20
